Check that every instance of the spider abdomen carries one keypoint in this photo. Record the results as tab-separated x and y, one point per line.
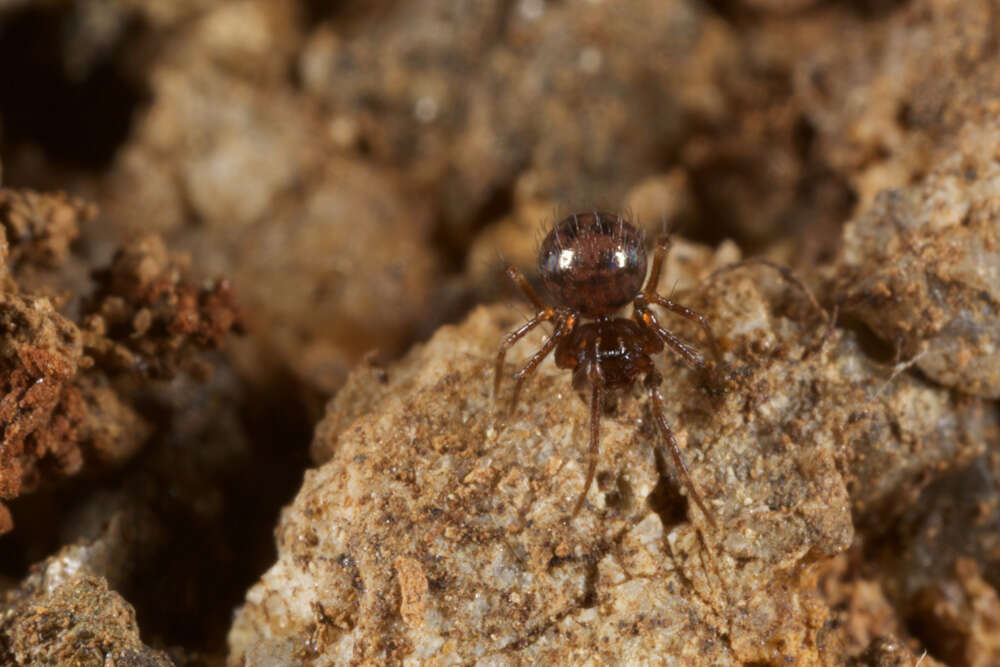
593	263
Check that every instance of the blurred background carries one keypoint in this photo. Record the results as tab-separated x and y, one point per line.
359	172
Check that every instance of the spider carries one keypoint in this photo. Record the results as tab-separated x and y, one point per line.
593	264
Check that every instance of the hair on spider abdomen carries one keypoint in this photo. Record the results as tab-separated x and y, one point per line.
593	264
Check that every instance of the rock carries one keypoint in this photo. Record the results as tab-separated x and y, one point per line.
884	107
437	529
146	317
346	269
921	267
64	615
39	405
235	167
40	227
552	101
59	404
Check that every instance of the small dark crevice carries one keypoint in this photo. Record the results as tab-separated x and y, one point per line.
803	137
184	588
734	11
905	116
666	499
455	297
869	9
453	238
590	595
621	497
714	221
348	15
874	348
79	120
740	13
944	643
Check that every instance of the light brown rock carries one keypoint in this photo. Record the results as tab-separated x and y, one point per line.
430	484
922	267
62	614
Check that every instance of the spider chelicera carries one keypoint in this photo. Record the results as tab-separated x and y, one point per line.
593	264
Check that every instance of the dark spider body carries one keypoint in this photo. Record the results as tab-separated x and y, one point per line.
619	348
594	265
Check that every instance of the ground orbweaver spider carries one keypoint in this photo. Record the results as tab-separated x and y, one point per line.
593	264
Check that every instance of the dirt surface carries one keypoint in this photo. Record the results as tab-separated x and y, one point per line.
58	404
923	266
62	615
251	291
379	560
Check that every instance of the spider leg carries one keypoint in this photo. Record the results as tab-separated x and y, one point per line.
595	433
596	377
522	283
692	356
656	401
562	329
689	314
659	255
516	335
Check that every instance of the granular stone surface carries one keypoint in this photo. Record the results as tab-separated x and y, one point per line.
64	615
247	243
438	530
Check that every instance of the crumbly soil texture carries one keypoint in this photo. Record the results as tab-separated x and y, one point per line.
252	290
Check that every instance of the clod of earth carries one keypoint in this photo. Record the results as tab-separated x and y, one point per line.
63	614
922	267
59	405
437	529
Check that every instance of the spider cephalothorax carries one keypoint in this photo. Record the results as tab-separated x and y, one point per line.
594	264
